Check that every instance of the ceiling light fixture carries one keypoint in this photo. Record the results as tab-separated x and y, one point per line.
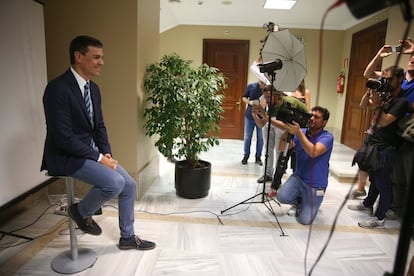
279	4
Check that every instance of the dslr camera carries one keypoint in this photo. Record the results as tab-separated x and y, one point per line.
380	85
289	113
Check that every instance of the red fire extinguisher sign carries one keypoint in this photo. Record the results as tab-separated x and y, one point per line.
340	83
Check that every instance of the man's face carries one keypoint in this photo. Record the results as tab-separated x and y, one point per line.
276	99
262	85
317	122
393	82
90	63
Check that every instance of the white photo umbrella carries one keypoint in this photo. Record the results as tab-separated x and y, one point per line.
285	46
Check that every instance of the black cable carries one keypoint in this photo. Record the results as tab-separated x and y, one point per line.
28	225
34	238
334	224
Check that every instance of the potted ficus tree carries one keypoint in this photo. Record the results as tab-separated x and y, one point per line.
184	112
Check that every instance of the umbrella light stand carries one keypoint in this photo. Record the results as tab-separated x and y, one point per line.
265	199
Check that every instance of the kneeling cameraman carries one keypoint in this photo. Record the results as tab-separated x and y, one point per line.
305	188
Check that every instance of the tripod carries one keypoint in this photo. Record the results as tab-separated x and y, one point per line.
264	197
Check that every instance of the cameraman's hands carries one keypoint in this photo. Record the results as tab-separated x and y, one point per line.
293	128
258	110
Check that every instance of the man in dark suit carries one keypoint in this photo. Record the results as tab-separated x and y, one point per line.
77	143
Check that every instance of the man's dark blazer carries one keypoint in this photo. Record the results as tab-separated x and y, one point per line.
69	131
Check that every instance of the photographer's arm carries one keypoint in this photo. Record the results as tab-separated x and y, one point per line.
313	150
374	63
386	119
259	115
370	100
277	123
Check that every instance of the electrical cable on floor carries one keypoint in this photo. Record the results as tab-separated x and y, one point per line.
26	226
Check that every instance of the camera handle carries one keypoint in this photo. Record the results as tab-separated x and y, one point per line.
288	141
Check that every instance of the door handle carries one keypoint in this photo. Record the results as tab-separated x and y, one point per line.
238	103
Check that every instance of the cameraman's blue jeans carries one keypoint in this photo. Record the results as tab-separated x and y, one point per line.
308	199
249	126
108	184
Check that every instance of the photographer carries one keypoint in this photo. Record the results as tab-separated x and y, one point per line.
271	137
305	188
392	106
403	163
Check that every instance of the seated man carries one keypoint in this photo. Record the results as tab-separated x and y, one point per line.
305	188
77	143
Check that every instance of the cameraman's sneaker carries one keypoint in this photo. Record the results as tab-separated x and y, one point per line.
372	223
293	211
360	207
356	194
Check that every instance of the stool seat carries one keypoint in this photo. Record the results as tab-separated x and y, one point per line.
73	260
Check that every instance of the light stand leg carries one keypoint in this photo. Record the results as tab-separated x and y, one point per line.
73	260
264	198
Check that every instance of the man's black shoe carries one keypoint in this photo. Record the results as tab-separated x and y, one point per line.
244	161
266	178
258	161
135	243
87	225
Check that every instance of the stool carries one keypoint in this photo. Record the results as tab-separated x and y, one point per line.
73	260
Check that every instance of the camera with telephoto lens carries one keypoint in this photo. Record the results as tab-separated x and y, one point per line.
382	86
287	113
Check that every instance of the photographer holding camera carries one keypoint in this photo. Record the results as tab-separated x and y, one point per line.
305	188
262	115
407	149
391	106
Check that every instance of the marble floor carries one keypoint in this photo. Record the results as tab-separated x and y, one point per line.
202	237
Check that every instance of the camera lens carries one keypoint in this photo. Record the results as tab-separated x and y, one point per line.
374	84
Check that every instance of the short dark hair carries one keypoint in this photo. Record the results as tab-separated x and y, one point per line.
395	71
325	112
81	44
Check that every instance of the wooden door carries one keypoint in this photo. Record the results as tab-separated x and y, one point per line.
231	57
365	44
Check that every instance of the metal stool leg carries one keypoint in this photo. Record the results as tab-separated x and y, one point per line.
73	260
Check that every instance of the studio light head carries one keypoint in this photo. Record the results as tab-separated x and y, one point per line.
270	67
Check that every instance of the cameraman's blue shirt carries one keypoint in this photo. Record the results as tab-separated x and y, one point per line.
314	171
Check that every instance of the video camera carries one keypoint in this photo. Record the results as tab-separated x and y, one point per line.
380	85
288	113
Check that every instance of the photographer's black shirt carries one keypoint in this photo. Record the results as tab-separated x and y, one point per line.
387	136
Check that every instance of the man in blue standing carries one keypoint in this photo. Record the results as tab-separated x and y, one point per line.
251	97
